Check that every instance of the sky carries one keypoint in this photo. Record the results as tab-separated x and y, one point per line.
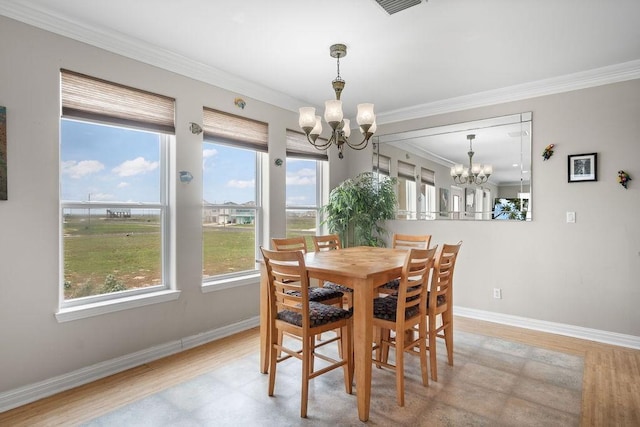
105	163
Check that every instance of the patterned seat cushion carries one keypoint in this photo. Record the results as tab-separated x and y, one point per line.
441	300
319	294
336	287
393	285
386	308
320	314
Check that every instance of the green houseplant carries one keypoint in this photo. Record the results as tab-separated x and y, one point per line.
357	207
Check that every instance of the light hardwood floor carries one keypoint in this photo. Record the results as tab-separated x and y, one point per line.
610	392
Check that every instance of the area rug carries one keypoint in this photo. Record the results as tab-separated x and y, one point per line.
493	383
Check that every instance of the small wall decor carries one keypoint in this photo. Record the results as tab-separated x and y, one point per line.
185	176
444	202
240	103
623	178
195	128
278	162
582	167
3	153
548	151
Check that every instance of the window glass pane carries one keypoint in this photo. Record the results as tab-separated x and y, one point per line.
229	209
301	182
106	163
110	250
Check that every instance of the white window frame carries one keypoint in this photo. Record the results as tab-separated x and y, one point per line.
321	173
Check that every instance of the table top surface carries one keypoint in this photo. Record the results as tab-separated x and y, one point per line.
359	262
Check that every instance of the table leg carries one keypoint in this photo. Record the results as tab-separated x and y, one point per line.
363	339
264	321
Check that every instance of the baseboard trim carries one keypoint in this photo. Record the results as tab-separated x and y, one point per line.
597	335
32	392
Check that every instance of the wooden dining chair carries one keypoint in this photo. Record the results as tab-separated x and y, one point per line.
292	312
318	294
331	242
440	304
404	312
404	241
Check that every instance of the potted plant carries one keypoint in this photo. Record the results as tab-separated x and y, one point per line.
357	208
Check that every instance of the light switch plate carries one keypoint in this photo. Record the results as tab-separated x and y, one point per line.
571	217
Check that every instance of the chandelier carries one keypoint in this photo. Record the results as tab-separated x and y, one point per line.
340	127
475	174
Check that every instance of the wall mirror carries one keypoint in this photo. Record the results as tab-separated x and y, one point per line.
422	161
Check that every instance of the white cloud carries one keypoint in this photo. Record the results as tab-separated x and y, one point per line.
79	169
304	176
236	183
136	166
296	200
209	152
123	184
102	197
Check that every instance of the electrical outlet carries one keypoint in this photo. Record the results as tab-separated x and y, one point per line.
497	293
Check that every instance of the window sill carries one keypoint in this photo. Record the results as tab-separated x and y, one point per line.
228	283
111	306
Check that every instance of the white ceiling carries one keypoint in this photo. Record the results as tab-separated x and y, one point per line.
438	55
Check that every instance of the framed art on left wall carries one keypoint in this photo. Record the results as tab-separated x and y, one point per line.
3	153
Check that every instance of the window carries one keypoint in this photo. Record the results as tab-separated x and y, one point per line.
232	153
113	180
381	165
407	192
427	194
305	171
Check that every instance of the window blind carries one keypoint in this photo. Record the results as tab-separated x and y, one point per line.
427	176
382	165
406	170
89	98
234	130
298	146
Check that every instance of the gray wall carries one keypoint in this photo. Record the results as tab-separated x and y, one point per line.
580	274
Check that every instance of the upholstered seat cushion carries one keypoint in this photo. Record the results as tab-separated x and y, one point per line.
440	300
336	287
319	294
393	285
320	314
386	308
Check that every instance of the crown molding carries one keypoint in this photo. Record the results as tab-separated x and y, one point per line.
162	58
581	80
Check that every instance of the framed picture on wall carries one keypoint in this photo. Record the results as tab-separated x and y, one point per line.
444	202
583	167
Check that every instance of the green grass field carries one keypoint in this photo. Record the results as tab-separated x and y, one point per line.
106	255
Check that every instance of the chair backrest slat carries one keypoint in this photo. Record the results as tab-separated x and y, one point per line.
297	243
410	241
326	243
288	282
441	289
414	281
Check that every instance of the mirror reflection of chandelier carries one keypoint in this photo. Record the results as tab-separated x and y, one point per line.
474	174
340	130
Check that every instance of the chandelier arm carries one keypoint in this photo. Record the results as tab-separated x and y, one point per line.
360	145
320	146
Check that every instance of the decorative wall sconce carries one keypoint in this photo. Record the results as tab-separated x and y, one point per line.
195	128
185	176
240	103
548	151
623	178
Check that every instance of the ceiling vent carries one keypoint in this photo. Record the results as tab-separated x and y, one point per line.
393	6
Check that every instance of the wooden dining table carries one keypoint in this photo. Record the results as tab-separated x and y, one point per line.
362	269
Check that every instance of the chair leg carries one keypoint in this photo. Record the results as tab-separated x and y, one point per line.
448	337
345	346
385	335
306	365
400	336
422	338
273	361
431	333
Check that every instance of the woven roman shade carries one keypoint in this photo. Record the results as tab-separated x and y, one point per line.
225	128
406	170
382	164
427	176
298	146
89	98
